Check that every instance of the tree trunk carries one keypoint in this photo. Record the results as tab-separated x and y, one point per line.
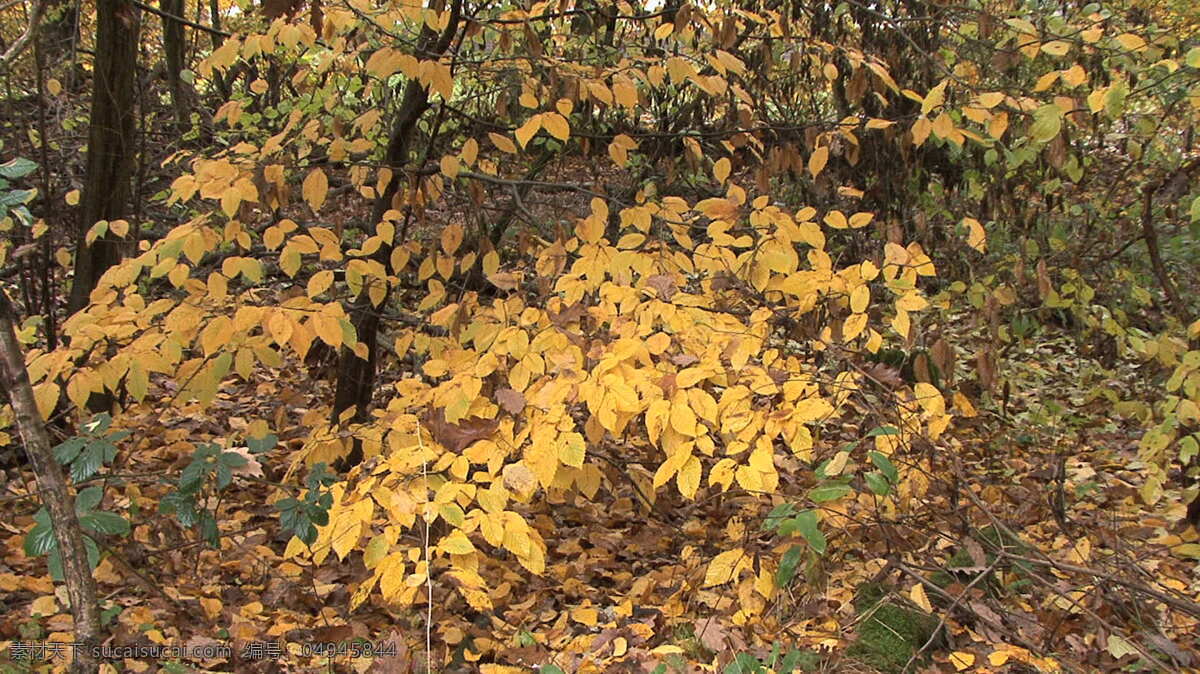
110	144
356	376
81	589
173	49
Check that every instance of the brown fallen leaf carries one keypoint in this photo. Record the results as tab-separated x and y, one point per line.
511	400
457	437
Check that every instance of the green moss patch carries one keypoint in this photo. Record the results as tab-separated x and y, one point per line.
889	630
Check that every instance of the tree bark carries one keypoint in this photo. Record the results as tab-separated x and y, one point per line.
356	376
81	589
110	144
173	50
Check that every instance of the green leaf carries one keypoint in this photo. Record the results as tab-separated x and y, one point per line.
807	525
99	424
1114	100
1193	57
882	430
263	444
40	539
87	499
19	167
102	522
93	551
787	566
17	197
1047	123
877	483
777	515
224	475
66	451
885	464
233	459
88	462
828	492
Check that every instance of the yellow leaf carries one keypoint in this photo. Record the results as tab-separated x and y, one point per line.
46	395
528	130
817	161
901	323
976	237
688	478
860	297
998	125
72	198
683	419
590	230
837	463
868	271
962	660
470	151
836	220
625	92
1074	76
1056	48
452	237
457	543
449	166
502	143
917	594
618	154
98	230
721	170
1046	81
585	616
319	283
853	326
920	131
934	98
861	220
556	125
1131	42
315	187
54	86
327	328
963	405
723	567
913	301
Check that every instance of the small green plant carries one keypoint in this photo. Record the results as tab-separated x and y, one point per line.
208	474
83	456
41	539
303	516
776	662
13	202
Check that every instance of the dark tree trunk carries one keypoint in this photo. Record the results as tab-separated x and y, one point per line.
356	376
219	80
174	45
60	28
52	485
110	144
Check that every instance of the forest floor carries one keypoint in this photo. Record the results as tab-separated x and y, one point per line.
1031	550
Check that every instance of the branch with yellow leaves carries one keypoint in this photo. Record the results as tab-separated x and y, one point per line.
35	20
